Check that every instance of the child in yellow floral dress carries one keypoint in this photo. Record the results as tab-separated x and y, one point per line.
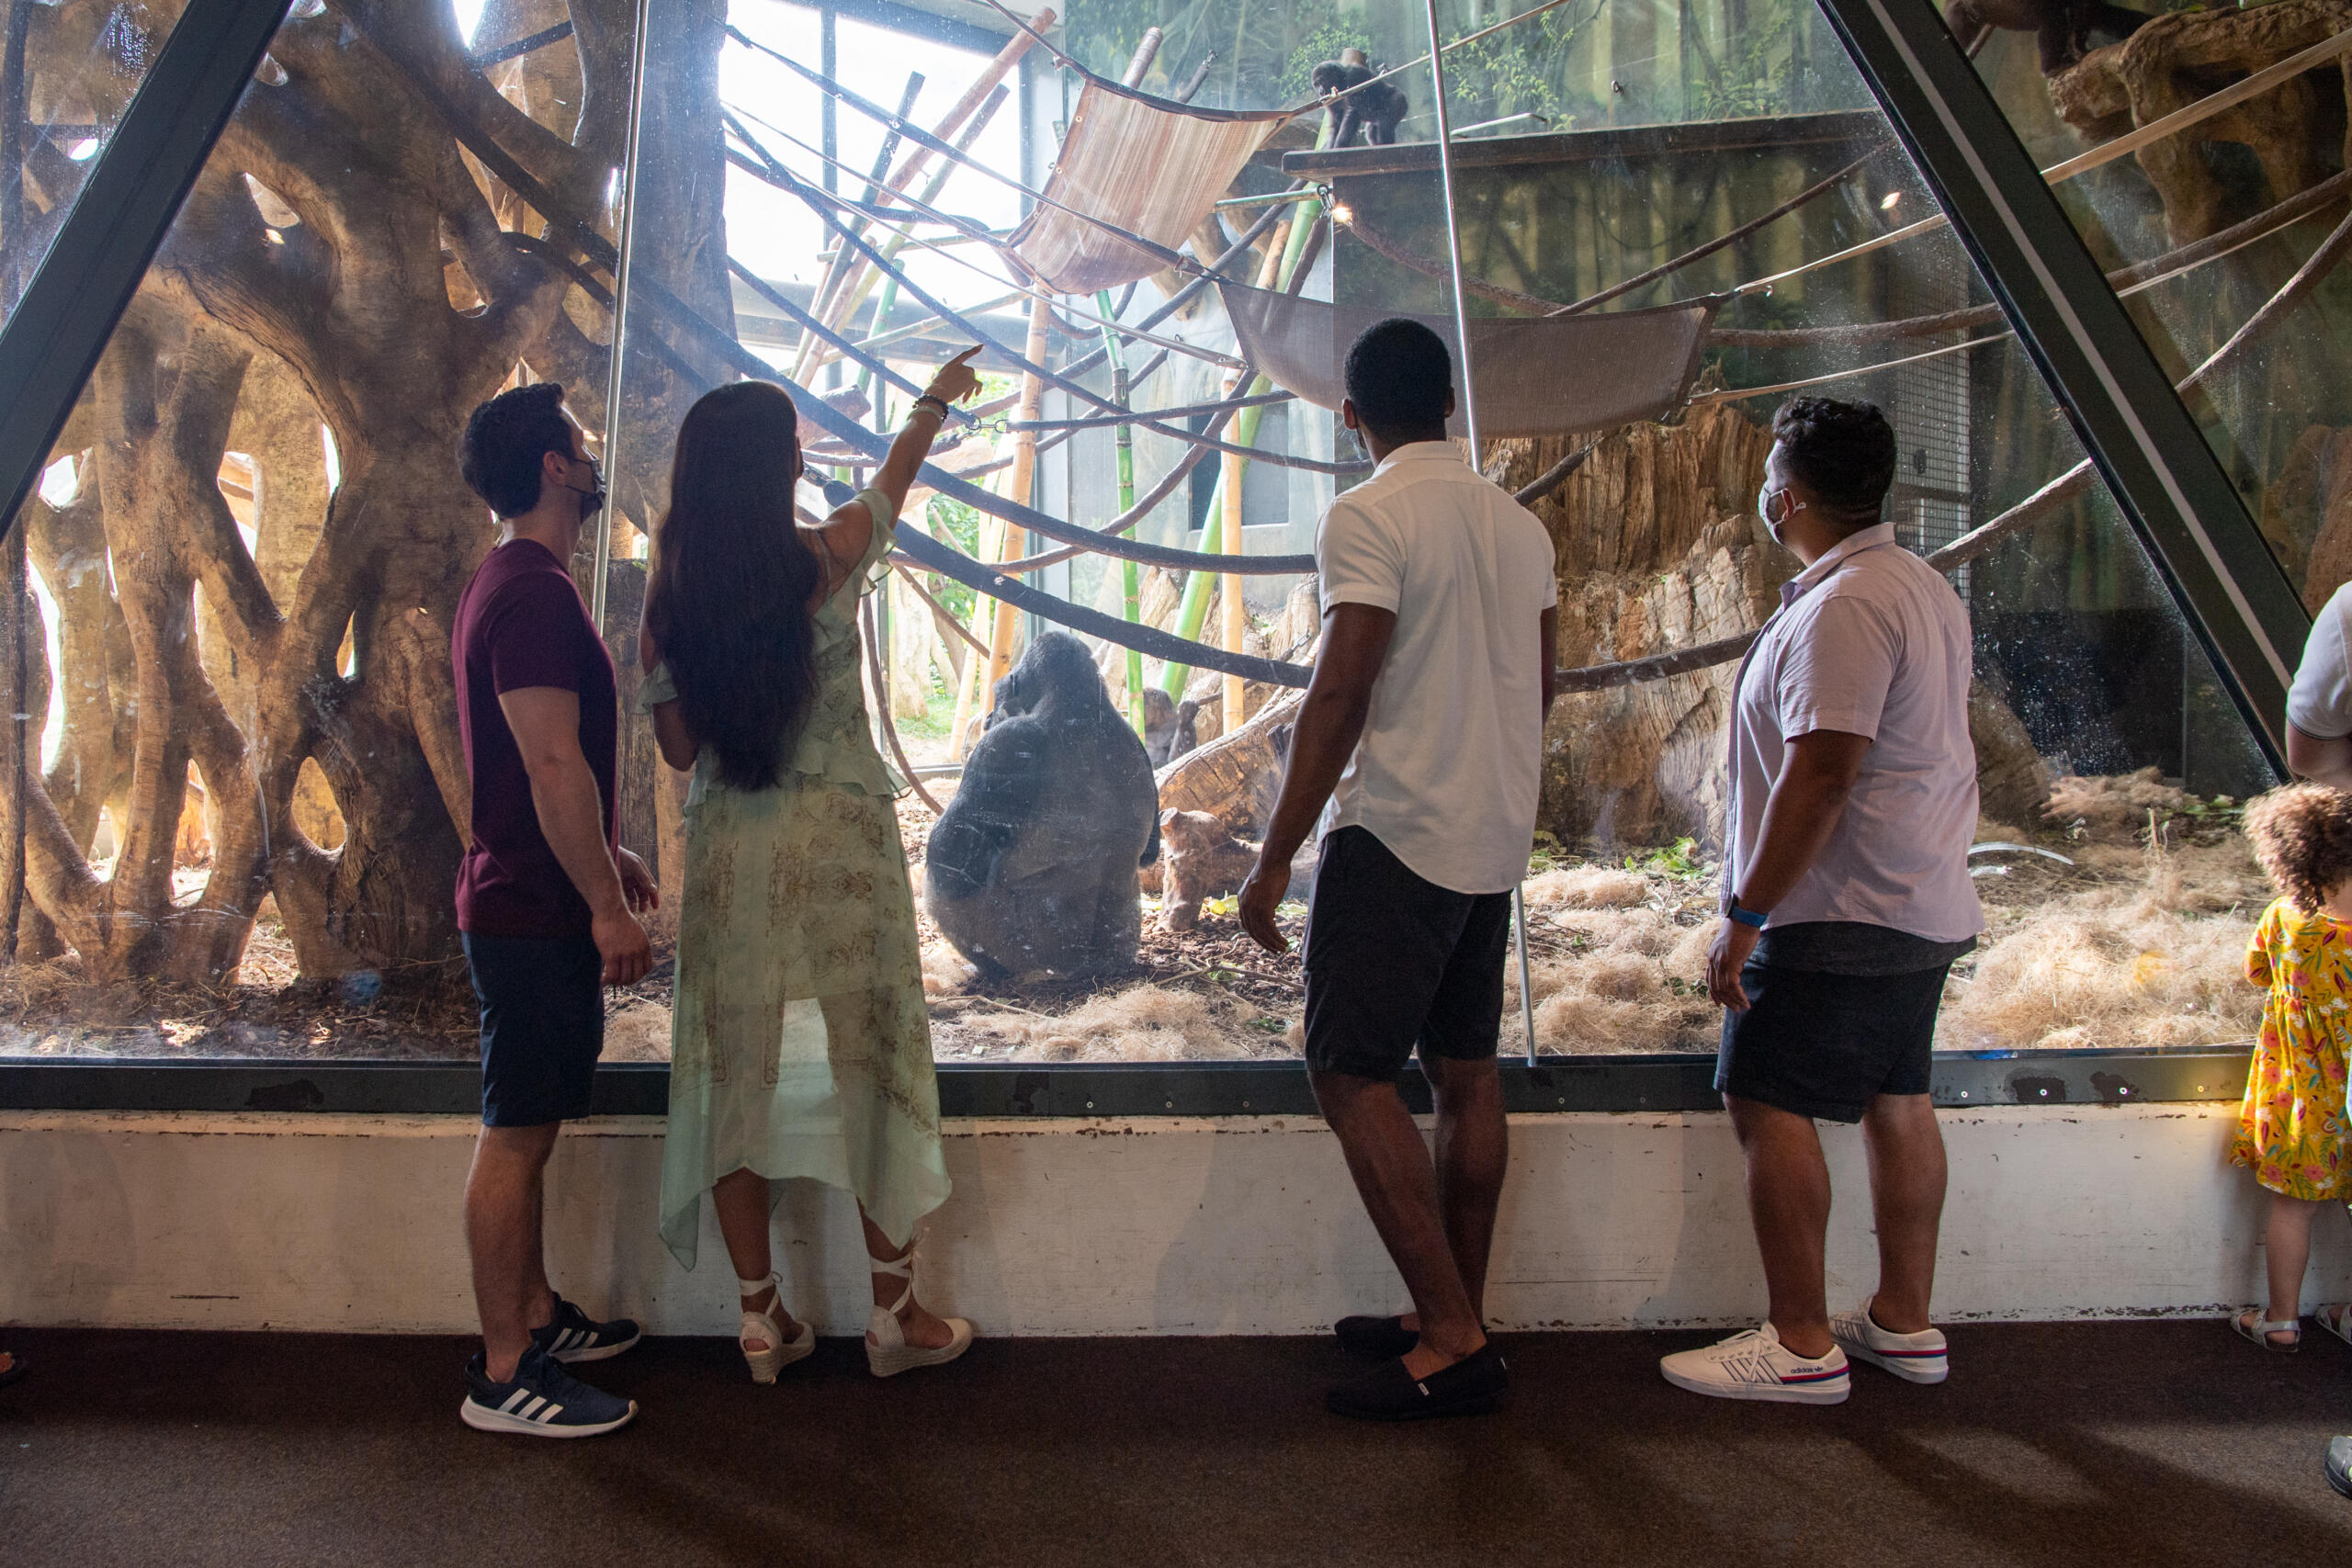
2291	1124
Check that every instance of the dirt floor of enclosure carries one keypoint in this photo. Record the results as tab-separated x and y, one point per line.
2135	938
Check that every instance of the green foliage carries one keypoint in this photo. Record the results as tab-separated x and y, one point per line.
2220	811
1750	78
1680	860
1324	43
955	521
1549	854
1521	70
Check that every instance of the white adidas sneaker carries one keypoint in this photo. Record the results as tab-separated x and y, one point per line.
1914	1357
1756	1365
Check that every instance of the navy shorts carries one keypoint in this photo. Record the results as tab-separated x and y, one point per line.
542	1025
1394	962
1826	1045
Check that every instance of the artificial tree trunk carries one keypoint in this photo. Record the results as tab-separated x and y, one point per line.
341	264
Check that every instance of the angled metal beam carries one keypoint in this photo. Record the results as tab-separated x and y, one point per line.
2154	459
52	341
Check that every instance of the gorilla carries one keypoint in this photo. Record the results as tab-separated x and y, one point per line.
2064	25
1378	109
1033	866
1168	727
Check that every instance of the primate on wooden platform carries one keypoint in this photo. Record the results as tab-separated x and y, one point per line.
1376	109
2064	25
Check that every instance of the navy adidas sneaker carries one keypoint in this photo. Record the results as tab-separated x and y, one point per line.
573	1335
542	1401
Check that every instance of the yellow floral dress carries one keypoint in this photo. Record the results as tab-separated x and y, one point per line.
799	1040
2290	1126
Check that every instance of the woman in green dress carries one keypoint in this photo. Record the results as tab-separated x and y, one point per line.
800	1045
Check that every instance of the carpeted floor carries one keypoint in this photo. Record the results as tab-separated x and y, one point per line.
2150	1444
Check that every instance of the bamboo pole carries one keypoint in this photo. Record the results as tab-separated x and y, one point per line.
992	548
1236	615
1131	577
844	306
1024	470
1281	259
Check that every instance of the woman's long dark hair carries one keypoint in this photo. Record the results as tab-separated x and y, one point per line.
727	600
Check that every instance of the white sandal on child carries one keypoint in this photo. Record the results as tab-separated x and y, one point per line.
2260	1331
762	1327
887	1350
2337	1318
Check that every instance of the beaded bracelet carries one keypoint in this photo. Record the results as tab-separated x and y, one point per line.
938	402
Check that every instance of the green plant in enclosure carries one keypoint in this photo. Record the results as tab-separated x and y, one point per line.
1680	859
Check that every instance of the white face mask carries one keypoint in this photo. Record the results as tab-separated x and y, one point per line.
1764	510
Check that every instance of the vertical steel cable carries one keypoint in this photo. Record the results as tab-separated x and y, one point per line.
620	315
1470	417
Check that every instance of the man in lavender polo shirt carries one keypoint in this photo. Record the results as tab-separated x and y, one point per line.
1846	900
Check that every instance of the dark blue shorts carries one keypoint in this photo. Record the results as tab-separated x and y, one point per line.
542	1025
1394	963
1825	1046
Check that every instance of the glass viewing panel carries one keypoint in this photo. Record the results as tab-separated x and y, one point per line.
837	199
243	826
68	70
2224	238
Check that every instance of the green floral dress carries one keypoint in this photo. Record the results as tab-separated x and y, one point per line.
799	1043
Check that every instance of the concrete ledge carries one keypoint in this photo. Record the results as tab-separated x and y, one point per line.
1147	1225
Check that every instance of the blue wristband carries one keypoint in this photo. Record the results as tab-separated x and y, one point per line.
1749	918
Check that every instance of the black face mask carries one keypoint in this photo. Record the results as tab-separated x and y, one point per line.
591	501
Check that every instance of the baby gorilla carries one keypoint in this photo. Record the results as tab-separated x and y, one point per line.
1033	866
1376	109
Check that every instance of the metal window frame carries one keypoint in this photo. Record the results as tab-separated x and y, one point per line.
1660	1084
2153	458
53	341
2136	430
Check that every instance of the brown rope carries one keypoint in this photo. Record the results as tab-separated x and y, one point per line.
961	630
1552	476
1711	246
882	706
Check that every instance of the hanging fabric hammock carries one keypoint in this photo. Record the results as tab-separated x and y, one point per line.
1147	165
1548	375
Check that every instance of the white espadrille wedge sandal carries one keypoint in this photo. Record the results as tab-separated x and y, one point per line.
887	1350
761	1327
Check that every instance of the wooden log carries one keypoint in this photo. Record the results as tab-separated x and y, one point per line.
1235	777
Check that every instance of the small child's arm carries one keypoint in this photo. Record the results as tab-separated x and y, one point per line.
2257	950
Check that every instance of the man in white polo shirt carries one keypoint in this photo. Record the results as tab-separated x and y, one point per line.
1423	730
2319	704
1846	900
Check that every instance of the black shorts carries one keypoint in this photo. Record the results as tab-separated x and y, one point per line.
542	1025
1826	1045
1393	961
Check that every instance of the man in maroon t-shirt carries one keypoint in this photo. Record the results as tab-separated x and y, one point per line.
546	900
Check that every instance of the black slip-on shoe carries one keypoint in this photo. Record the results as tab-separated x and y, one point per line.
1471	1386
2338	1464
1379	1339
